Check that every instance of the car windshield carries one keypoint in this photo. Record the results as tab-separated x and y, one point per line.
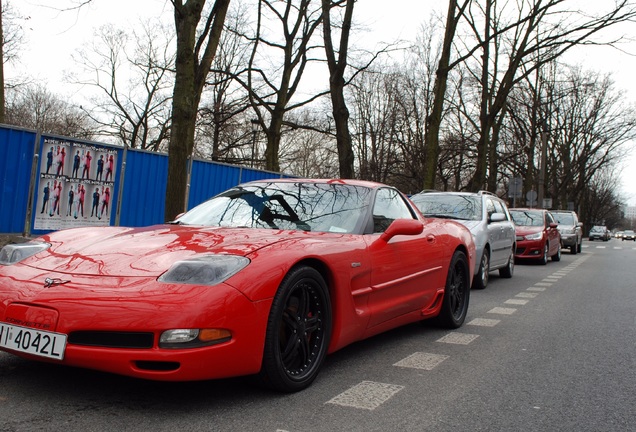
597	229
564	218
325	207
450	206
527	217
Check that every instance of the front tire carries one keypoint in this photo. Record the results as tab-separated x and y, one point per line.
480	281
509	269
298	331
544	258
457	293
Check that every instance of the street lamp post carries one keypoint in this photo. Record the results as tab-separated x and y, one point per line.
255	126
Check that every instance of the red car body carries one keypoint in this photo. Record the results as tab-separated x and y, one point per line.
537	235
102	288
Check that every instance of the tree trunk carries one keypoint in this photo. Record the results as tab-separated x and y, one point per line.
337	84
190	74
434	121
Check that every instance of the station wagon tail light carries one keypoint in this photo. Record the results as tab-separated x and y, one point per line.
14	253
535	236
204	270
193	338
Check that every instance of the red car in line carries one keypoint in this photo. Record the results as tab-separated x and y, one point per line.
537	235
264	279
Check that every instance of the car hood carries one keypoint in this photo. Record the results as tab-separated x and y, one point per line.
470	224
146	252
527	230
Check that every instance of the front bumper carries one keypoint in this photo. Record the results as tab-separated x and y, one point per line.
529	249
104	315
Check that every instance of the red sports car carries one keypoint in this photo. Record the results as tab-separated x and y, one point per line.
537	235
264	279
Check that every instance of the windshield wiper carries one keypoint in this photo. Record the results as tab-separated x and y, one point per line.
445	216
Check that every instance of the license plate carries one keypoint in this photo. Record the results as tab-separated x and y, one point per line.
31	341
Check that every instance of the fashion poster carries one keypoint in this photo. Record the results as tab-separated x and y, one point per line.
76	185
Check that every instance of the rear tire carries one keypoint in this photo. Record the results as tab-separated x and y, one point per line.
457	293
557	256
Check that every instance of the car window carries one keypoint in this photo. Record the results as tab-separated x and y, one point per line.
564	218
490	207
451	206
527	217
499	208
389	205
322	207
548	218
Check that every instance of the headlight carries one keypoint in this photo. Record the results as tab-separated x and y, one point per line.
14	253
204	270
535	236
193	338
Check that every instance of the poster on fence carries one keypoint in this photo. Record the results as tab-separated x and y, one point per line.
76	185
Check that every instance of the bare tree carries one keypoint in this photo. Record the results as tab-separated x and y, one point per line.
12	36
195	53
337	63
276	66
34	107
543	30
130	71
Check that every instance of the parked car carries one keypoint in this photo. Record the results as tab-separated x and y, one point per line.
570	228
629	235
537	235
599	232
265	279
489	221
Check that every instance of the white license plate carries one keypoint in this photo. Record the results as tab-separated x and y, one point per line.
31	341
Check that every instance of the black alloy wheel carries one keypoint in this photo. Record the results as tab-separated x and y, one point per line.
298	331
457	293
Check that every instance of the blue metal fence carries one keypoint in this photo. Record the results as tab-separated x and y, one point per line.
136	191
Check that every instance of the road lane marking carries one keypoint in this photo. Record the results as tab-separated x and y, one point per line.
484	322
516	301
458	338
366	395
502	311
540	289
421	360
527	295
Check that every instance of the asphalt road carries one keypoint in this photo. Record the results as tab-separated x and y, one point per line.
552	349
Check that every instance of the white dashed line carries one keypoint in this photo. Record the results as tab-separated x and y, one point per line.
516	301
420	360
458	338
527	295
540	289
502	311
367	395
484	322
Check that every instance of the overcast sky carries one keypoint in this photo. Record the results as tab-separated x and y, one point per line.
53	36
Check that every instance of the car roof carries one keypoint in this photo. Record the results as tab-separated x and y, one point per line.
350	182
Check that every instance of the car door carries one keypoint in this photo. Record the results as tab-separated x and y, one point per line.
553	233
500	233
406	270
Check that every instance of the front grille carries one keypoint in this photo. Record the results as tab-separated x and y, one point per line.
109	339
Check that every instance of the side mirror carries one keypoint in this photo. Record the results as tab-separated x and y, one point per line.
497	217
579	224
553	225
402	227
